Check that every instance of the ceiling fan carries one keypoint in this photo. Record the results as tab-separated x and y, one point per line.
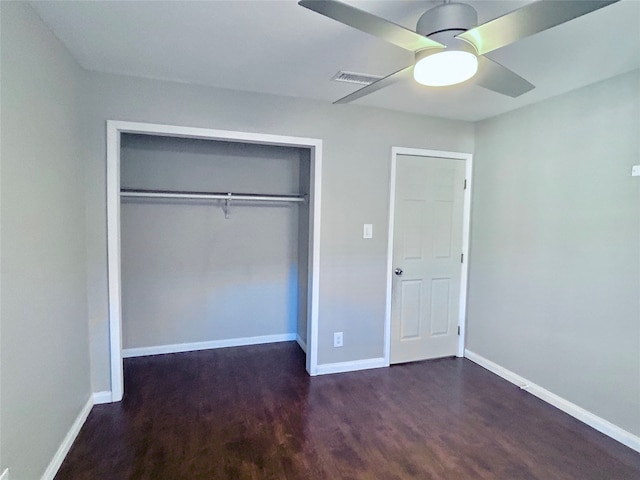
449	45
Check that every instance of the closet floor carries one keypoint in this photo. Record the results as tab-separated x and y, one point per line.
254	413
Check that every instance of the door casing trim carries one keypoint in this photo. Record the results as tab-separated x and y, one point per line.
466	224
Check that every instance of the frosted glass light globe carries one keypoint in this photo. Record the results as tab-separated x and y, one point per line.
445	68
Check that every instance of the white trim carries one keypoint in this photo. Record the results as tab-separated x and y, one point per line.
114	129
464	274
466	223
68	440
101	397
213	344
301	343
341	367
5	474
594	421
113	260
212	134
313	298
392	208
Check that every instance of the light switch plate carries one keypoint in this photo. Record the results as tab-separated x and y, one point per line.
635	171
367	231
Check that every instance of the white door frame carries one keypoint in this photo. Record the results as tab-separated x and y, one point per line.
468	159
114	131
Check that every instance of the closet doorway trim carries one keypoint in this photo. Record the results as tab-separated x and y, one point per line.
114	131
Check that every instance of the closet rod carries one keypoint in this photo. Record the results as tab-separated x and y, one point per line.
214	195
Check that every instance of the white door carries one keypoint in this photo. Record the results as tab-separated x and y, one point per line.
427	256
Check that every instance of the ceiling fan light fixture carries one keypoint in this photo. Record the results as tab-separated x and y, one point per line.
443	68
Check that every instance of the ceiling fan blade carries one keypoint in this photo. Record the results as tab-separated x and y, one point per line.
493	76
532	18
375	86
368	23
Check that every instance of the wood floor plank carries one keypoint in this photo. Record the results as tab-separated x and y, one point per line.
254	413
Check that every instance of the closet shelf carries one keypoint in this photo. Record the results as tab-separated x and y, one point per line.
254	197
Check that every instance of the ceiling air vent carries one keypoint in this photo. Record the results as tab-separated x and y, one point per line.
358	78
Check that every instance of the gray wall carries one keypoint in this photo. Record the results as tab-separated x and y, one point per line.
189	274
44	353
555	247
355	190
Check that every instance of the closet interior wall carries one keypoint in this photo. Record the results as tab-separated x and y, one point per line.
190	275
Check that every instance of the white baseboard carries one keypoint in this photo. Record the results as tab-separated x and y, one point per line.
102	397
353	366
192	347
58	458
302	343
594	421
5	474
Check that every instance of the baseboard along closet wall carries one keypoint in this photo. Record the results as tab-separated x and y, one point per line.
202	268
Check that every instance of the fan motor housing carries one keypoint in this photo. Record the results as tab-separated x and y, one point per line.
443	22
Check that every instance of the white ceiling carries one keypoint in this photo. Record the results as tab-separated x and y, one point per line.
281	48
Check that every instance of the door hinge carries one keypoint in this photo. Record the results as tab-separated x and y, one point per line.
462	258
458	329
465	183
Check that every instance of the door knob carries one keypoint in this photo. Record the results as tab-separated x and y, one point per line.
398	271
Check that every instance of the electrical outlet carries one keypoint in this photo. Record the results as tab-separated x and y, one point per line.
367	231
337	339
635	171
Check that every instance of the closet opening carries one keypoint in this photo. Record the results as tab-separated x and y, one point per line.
213	241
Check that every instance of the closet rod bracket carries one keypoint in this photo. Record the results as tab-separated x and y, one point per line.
227	205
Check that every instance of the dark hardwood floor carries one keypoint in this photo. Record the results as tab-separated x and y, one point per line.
253	413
